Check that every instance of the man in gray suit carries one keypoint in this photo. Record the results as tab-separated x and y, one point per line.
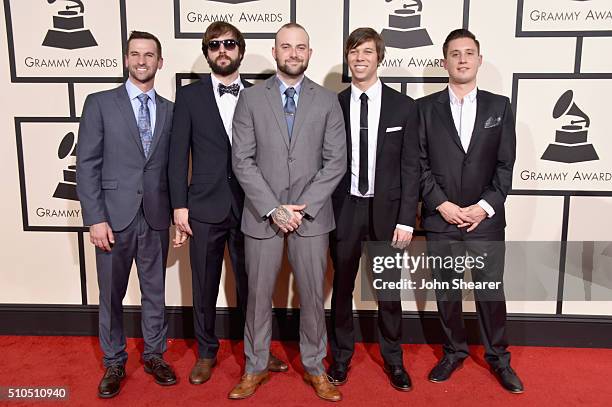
289	154
122	161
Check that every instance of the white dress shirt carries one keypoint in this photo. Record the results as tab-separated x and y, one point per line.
226	103
374	94
464	116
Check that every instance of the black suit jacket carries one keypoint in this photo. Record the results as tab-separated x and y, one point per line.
114	178
197	127
396	184
450	174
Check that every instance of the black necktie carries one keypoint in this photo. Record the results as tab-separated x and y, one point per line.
363	145
233	89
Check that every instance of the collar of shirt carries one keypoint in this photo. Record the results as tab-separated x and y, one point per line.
470	97
134	92
282	86
216	82
373	92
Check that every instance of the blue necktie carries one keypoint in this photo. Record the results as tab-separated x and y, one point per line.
144	123
289	109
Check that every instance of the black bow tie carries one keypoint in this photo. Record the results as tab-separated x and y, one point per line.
233	89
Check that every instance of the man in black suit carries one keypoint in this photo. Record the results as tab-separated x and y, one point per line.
122	161
209	209
376	199
468	143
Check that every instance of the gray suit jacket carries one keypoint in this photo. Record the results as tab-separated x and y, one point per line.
273	170
113	176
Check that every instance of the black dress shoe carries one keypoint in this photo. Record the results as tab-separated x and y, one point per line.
110	385
399	377
444	369
161	372
509	379
337	374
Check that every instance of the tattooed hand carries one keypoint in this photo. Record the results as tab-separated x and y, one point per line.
288	217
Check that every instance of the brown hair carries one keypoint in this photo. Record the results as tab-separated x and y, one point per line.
217	29
364	34
455	35
143	35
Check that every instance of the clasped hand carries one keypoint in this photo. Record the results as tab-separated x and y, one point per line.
469	217
288	217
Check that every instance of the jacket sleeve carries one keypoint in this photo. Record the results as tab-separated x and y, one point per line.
90	155
431	192
244	164
178	155
501	183
410	169
328	177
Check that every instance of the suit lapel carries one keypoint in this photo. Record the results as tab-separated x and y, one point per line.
276	103
305	100
443	109
161	110
383	120
481	110
125	107
210	104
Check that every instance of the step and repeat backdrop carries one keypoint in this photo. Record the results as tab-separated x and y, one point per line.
550	57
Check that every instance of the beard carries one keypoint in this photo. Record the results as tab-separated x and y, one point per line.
293	71
224	70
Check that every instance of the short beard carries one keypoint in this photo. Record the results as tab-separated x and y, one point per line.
292	73
224	70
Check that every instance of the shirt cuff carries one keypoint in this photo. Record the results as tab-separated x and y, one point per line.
270	213
487	208
404	227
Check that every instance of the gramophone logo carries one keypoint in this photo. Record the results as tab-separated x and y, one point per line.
571	145
69	30
404	29
66	189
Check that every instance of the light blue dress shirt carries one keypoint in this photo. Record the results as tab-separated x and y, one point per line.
283	87
133	93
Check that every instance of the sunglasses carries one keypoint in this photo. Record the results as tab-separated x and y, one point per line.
229	45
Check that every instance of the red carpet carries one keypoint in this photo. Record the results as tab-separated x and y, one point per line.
552	376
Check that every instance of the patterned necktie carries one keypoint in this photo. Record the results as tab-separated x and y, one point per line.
289	109
144	123
233	89
364	185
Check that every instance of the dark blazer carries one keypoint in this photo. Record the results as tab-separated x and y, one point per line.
198	127
396	188
113	176
448	173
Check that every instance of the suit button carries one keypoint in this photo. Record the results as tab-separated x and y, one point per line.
139	192
229	177
291	159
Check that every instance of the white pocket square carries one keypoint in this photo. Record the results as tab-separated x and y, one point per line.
492	121
392	129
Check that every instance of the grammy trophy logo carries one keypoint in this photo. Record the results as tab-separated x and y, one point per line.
570	144
69	30
66	189
404	29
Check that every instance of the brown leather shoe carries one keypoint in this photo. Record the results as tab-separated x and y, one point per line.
248	384
323	387
202	370
276	365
